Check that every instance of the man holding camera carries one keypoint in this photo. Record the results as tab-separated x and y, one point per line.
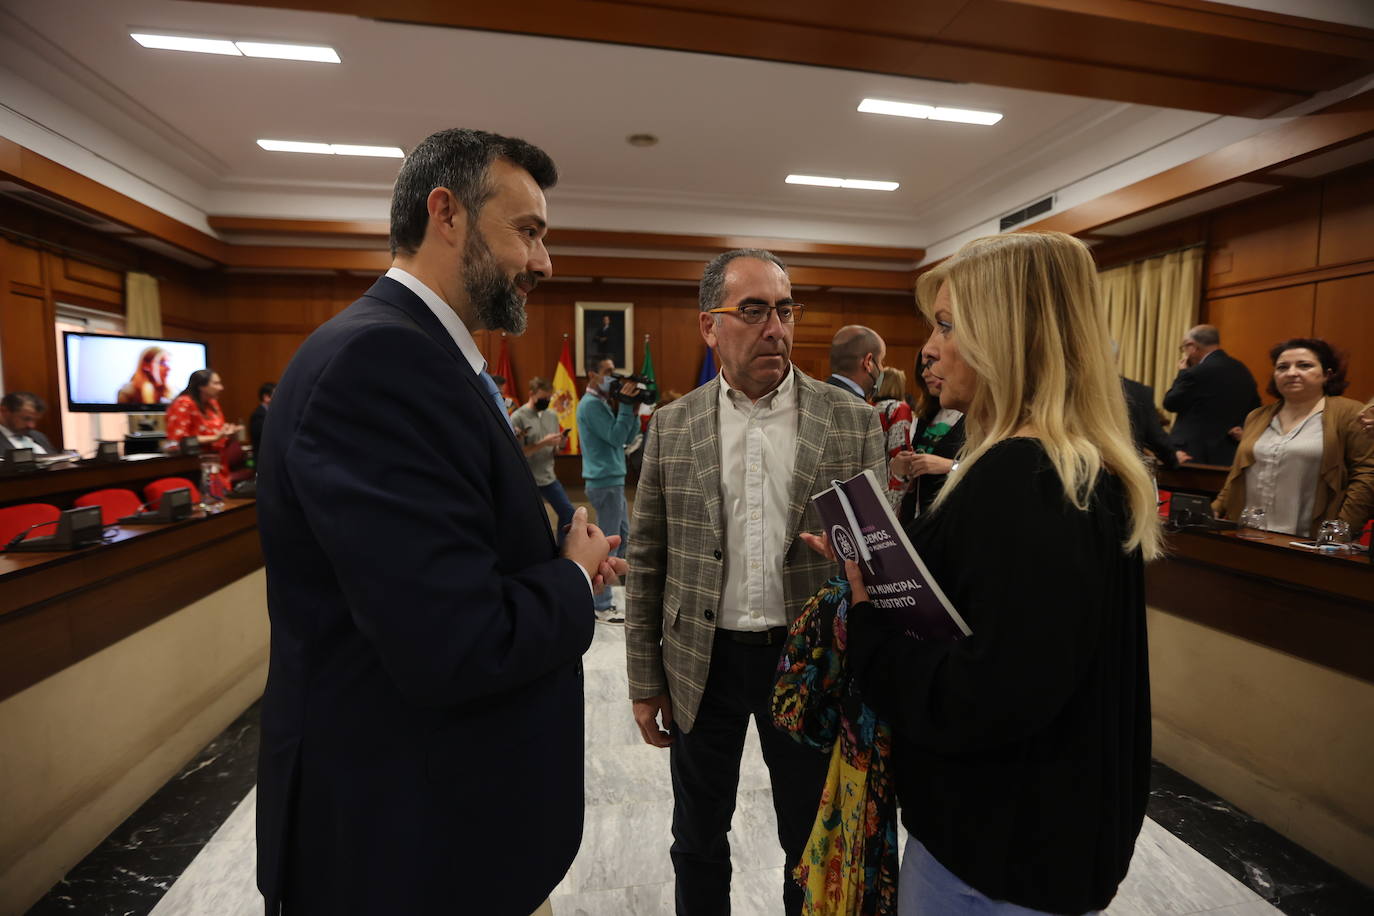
606	422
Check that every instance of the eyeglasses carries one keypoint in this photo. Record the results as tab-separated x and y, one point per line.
758	314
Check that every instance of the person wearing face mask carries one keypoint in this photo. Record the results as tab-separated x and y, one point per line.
1303	458
537	429
856	360
604	427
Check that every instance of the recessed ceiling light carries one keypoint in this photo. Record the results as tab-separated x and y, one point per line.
383	152
855	184
929	112
318	53
331	149
182	43
314	53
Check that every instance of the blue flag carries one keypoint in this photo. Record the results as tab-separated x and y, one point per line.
708	368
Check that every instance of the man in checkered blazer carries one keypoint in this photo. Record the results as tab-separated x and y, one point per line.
717	570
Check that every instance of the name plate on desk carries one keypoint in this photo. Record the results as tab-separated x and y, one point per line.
19	461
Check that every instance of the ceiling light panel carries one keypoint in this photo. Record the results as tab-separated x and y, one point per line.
276	50
322	54
929	112
183	43
332	149
854	184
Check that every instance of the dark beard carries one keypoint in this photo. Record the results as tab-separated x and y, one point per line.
496	301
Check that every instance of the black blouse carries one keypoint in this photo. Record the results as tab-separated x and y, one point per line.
1022	752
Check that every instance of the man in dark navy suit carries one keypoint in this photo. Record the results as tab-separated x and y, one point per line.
422	736
1212	395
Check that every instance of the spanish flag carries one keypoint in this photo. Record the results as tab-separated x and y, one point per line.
565	397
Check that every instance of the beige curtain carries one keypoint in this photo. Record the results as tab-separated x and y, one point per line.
1150	305
142	307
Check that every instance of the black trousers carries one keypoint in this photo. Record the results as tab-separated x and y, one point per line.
705	767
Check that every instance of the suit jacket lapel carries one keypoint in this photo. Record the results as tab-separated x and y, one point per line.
397	295
813	426
704	423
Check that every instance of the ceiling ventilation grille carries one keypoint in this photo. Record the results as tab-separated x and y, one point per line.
1028	212
56	207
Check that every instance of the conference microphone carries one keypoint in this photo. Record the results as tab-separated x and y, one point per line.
25	533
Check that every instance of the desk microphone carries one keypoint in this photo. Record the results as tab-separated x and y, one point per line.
25	533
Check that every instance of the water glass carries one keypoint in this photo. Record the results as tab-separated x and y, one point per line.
1252	521
1334	533
211	495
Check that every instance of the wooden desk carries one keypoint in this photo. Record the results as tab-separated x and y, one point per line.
1315	606
61	485
58	607
1207	479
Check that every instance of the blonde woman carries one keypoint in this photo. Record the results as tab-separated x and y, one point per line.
894	413
148	385
1022	752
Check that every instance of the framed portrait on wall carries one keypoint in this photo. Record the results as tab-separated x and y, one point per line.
605	327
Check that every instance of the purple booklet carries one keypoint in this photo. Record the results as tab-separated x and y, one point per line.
862	528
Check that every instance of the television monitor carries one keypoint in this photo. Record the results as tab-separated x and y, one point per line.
111	374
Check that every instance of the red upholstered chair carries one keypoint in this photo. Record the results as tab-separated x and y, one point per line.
114	504
153	491
14	519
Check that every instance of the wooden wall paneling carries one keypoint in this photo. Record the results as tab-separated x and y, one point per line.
1348	218
1270	237
21	264
1253	323
30	352
1344	317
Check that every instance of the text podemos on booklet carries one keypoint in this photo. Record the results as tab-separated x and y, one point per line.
862	528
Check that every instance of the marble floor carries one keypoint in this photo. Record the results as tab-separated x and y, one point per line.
623	866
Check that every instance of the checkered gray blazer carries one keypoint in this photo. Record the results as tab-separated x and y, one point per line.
677	535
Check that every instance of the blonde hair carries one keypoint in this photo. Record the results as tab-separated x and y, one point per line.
893	386
1030	323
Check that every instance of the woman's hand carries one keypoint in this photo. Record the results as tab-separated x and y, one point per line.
1366	419
931	464
821	544
856	582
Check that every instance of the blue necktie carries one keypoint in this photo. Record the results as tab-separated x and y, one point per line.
497	397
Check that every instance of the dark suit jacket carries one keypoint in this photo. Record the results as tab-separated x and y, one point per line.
422	738
35	435
1146	429
1211	398
833	380
255	423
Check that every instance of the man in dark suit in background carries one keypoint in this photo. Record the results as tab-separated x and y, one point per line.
1146	429
1212	395
20	412
423	715
856	360
259	416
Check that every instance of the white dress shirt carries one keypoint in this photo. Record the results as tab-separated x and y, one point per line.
11	439
758	451
460	334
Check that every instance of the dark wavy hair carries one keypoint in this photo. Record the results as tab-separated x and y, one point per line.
1331	361
195	387
457	159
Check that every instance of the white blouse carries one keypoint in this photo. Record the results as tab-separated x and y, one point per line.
1283	479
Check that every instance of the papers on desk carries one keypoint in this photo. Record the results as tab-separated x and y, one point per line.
143	456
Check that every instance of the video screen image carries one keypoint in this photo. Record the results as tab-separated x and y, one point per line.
106	373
